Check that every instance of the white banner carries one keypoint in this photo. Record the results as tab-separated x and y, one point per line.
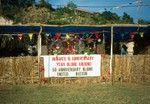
72	65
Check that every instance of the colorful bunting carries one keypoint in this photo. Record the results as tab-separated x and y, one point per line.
68	36
132	35
57	36
142	34
122	36
99	40
20	36
47	34
86	35
30	36
97	35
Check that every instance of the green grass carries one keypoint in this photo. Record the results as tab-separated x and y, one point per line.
76	94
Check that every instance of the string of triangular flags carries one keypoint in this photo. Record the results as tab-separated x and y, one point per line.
21	35
136	3
77	43
81	36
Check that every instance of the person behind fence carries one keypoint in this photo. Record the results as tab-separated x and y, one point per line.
123	49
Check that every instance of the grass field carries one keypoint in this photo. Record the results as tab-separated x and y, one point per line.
76	94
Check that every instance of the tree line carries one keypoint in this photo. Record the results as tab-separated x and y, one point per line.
30	11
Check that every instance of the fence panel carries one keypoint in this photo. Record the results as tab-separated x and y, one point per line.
132	69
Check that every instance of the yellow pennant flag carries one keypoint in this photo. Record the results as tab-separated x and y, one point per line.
67	36
30	36
142	34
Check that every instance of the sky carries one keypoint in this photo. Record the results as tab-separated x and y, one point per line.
135	12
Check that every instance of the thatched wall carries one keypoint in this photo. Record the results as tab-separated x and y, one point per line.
15	70
18	70
132	68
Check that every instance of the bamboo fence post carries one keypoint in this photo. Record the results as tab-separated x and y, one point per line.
32	71
111	57
39	52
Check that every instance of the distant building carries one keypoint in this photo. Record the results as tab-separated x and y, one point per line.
81	11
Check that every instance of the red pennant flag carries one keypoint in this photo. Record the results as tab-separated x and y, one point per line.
20	36
57	36
97	35
132	35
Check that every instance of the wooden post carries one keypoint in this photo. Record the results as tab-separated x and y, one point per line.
104	42
39	51
111	56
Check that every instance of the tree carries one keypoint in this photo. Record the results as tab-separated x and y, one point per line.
46	4
110	17
71	5
27	11
142	21
35	15
126	18
10	8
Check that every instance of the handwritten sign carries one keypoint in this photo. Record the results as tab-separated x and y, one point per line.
72	65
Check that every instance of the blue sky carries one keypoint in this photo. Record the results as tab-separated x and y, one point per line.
143	12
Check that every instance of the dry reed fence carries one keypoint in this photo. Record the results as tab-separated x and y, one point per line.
132	68
15	70
19	70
